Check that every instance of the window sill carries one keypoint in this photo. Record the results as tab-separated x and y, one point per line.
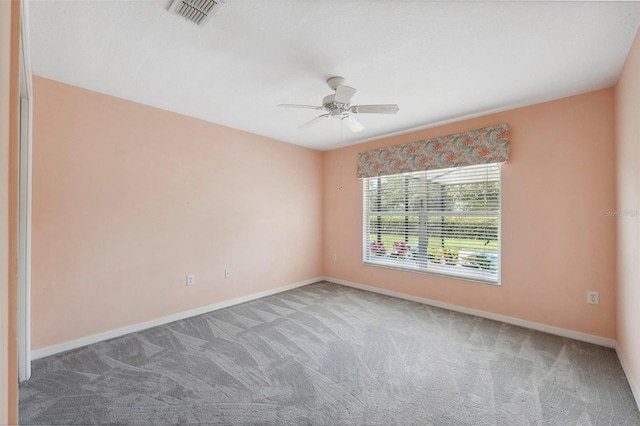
459	273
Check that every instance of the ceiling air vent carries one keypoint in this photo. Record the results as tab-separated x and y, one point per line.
196	11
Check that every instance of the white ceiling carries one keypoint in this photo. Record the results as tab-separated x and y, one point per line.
439	61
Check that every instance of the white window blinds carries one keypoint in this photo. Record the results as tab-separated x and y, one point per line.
443	221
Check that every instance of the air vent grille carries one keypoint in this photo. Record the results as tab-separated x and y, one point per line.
196	11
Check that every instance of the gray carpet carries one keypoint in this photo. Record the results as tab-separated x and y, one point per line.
331	355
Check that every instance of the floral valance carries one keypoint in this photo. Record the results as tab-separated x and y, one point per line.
479	146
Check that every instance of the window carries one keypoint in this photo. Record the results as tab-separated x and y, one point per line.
443	221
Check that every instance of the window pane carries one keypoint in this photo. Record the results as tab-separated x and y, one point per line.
440	221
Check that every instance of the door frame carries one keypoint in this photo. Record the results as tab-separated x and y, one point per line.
24	203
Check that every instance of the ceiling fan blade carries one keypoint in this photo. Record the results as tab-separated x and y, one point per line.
375	109
344	94
353	124
313	121
299	106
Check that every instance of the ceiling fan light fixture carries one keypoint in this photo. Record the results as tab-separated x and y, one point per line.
336	112
353	124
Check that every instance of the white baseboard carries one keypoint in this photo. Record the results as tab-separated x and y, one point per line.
597	340
635	389
95	338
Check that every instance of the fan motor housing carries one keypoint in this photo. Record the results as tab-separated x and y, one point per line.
336	109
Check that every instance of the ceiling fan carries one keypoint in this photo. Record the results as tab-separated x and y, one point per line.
338	105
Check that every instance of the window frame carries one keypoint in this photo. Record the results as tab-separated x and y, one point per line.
423	266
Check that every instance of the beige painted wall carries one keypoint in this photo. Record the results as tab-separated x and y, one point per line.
557	241
627	106
128	199
9	68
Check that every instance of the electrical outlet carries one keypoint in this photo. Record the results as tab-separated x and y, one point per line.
593	298
191	279
335	257
227	274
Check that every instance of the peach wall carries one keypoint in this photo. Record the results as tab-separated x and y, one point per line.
9	69
129	199
5	70
557	242
627	95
